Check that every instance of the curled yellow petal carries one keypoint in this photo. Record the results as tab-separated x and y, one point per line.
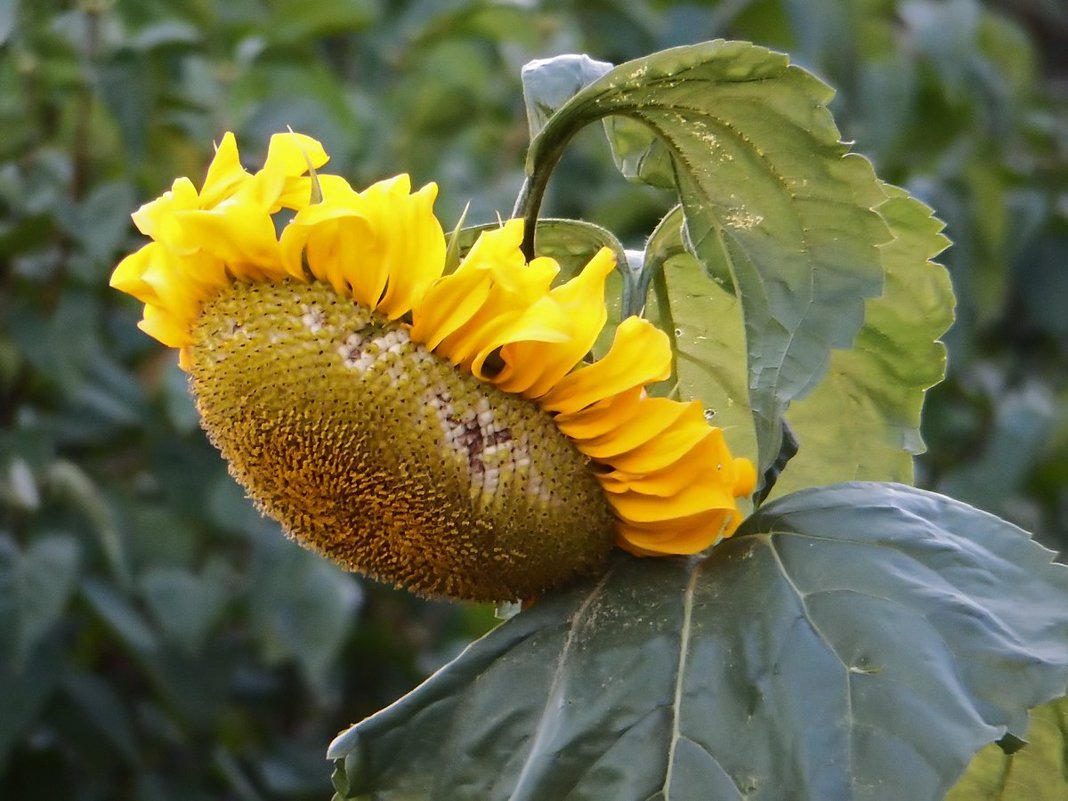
640	354
654	417
241	236
677	536
168	329
128	275
599	418
420	258
709	458
672	443
532	368
508	307
225	173
745	477
280	184
448	304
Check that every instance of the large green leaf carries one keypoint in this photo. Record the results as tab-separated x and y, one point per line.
1037	772
766	187
860	641
862	421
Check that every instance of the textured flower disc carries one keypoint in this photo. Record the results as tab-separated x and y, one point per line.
383	456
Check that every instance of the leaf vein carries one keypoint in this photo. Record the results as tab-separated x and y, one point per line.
680	675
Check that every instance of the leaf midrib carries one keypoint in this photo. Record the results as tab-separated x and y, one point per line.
548	711
680	676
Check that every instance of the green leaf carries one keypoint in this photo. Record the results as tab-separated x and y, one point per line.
120	616
638	154
766	187
860	641
101	705
862	422
24	691
1037	772
302	608
549	83
703	319
44	581
1017	436
186	606
99	223
68	482
166	33
294	21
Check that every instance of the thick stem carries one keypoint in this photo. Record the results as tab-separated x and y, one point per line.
547	150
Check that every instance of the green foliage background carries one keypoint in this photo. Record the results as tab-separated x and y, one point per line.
158	639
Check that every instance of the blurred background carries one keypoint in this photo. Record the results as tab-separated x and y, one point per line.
160	640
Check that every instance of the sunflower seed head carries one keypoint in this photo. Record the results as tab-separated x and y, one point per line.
386	458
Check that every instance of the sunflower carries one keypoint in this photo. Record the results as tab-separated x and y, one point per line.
440	431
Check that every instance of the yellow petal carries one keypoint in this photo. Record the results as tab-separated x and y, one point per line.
388	188
656	454
225	173
745	477
532	369
339	244
156	218
185	358
693	498
385	246
679	536
640	354
417	252
542	323
654	416
291	153
511	293
206	271
350	257
240	234
447	305
298	192
708	460
128	276
499	246
174	292
601	417
452	301
289	156
171	331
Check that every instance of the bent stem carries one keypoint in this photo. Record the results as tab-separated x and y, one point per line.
545	152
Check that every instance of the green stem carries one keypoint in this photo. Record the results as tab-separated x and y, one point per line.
667	324
545	152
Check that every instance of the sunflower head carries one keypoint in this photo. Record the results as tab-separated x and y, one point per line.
442	432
